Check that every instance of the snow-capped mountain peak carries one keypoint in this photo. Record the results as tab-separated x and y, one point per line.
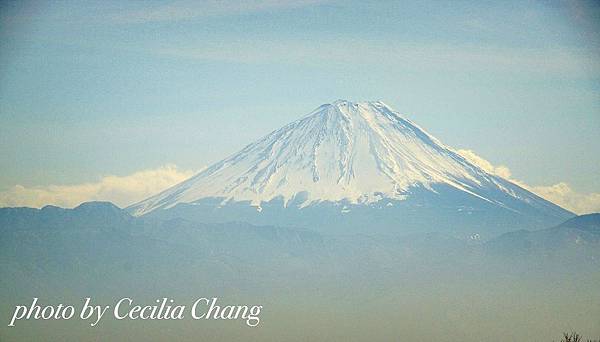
358	152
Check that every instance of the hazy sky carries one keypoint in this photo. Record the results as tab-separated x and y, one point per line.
89	89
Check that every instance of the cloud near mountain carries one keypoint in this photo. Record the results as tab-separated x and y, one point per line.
121	190
560	193
125	190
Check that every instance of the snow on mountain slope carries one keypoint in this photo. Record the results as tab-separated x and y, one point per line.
358	152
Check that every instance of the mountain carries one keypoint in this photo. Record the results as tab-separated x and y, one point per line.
353	157
98	250
587	223
580	234
51	217
97	247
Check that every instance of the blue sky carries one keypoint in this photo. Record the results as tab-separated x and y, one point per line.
90	89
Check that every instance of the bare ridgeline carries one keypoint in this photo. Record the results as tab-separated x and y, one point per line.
351	223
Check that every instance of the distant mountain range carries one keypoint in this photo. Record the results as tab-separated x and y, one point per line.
99	250
576	234
103	232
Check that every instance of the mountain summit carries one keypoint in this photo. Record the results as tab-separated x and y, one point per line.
355	152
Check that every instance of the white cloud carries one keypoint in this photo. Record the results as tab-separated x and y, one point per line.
471	156
561	193
121	190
